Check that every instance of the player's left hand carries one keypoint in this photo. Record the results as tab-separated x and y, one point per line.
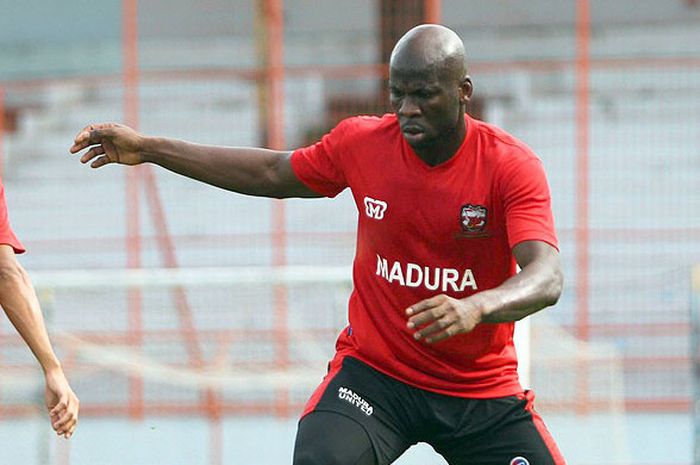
441	317
62	403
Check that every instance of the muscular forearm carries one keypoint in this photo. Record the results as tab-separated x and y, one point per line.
537	286
251	171
20	303
525	293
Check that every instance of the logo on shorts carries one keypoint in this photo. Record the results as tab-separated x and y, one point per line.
349	396
519	461
473	219
375	208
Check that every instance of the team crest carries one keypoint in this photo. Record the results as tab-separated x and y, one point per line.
474	218
519	461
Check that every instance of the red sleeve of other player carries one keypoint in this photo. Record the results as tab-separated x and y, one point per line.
7	236
527	201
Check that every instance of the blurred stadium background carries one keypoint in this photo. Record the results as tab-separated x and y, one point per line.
205	351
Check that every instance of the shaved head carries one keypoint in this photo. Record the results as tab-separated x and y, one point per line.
430	48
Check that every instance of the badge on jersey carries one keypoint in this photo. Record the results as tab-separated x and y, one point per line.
474	218
519	461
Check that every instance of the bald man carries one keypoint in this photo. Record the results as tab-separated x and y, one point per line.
447	207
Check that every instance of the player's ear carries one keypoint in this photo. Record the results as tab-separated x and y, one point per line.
466	87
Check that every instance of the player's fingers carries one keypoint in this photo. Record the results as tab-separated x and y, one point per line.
424	305
447	333
82	139
58	408
61	423
425	317
71	421
65	425
67	429
428	315
70	432
91	135
78	145
66	418
54	419
92	153
438	326
102	161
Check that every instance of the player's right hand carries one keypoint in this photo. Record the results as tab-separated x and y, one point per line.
109	143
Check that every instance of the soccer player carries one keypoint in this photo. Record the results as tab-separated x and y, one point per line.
447	206
18	299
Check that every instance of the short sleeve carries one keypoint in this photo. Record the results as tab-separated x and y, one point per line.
7	236
320	166
527	202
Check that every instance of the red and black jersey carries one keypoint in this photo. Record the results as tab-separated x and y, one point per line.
7	236
427	230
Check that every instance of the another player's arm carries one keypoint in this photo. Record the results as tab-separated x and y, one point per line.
253	171
538	285
21	305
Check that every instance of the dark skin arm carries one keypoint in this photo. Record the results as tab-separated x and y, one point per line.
538	285
253	171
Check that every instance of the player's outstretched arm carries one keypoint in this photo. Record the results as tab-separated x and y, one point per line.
21	305
253	171
538	285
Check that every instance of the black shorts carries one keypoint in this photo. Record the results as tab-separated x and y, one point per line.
360	416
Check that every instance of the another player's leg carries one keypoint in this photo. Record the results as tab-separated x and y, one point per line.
506	431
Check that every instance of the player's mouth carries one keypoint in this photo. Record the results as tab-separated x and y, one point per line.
412	132
411	129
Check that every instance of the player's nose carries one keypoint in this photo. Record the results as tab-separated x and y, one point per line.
409	108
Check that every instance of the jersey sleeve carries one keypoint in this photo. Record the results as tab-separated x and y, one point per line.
7	236
320	165
527	202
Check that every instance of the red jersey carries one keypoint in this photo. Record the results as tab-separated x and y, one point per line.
427	230
7	236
